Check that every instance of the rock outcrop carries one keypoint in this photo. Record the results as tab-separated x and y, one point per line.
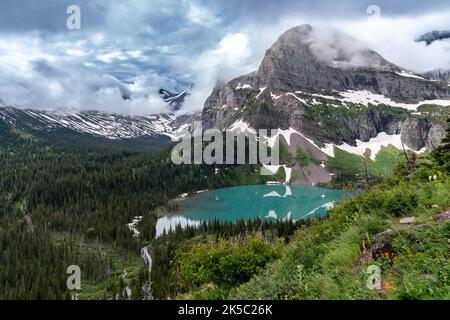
438	75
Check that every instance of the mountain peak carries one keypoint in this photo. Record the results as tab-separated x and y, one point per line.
322	59
304	56
330	47
312	75
295	33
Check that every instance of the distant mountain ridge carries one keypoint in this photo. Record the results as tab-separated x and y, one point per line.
99	124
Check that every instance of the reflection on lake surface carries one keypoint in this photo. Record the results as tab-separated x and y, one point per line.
273	202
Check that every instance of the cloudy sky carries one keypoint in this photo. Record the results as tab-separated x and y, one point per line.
133	48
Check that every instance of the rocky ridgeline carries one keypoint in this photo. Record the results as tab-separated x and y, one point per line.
307	70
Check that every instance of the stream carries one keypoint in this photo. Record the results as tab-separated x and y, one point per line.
145	254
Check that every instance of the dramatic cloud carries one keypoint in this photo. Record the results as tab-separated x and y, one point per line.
127	50
394	38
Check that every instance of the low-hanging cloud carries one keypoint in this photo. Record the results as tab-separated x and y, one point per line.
126	52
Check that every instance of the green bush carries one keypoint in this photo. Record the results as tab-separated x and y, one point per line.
305	158
218	266
400	201
421	268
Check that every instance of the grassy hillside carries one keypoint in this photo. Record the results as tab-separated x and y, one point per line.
333	258
330	258
352	170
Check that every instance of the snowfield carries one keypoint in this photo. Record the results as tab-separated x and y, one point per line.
409	75
273	169
243	86
261	90
375	145
365	98
241	126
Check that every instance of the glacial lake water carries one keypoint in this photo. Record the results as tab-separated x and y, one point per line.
270	202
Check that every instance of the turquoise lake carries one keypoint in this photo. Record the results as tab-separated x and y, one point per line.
270	202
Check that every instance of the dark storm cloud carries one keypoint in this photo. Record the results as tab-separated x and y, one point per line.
132	48
44	68
154	21
170	16
241	11
46	15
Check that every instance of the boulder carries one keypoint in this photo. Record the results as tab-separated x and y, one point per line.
442	217
382	244
408	220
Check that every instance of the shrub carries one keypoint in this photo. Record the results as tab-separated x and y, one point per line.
221	265
400	201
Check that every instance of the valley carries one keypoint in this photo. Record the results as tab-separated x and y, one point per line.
363	145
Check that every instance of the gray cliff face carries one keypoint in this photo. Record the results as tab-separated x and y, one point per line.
438	75
422	133
306	64
220	105
299	60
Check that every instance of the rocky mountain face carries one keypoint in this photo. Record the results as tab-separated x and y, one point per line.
301	74
332	91
438	75
304	58
323	89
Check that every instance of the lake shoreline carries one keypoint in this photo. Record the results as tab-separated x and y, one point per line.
247	202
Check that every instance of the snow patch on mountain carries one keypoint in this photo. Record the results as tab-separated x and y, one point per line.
241	126
365	98
409	75
299	99
261	90
274	96
374	145
110	126
286	134
243	86
268	169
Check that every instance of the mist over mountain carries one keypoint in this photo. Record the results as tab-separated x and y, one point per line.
306	71
330	90
124	54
